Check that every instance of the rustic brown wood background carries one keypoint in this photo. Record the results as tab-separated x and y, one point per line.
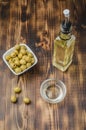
37	23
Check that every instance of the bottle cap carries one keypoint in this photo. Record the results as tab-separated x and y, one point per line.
66	12
66	24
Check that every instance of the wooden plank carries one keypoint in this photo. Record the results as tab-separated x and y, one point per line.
37	23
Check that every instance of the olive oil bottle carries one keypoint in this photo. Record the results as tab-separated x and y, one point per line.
64	44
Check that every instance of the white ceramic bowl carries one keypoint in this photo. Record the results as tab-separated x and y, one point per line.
10	50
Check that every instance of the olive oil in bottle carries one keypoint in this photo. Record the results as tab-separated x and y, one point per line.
64	44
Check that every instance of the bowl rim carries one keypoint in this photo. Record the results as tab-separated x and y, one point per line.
10	50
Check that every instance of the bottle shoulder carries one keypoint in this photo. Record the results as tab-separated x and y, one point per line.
59	38
64	43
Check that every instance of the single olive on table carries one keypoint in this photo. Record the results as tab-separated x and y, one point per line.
26	100
13	99
17	89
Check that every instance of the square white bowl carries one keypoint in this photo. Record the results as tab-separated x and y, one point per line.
11	50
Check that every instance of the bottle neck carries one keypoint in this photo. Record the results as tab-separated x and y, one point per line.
65	36
66	26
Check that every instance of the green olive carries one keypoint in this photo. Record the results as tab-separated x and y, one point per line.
23	67
7	57
17	89
30	54
23	51
13	54
17	70
11	60
22	62
27	52
24	57
28	59
16	52
23	47
20	55
13	99
17	47
15	58
32	60
26	100
28	65
17	62
12	65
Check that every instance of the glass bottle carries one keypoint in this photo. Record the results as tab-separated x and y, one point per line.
64	44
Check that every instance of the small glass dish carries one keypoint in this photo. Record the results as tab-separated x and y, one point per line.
53	90
8	52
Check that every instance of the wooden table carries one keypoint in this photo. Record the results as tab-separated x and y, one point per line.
37	23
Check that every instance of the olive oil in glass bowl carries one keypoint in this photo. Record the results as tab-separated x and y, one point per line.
52	90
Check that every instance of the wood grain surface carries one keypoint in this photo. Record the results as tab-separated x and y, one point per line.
37	23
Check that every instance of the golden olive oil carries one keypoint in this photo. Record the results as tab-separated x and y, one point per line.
64	46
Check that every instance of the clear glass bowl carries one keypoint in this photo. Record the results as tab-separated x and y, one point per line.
53	90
